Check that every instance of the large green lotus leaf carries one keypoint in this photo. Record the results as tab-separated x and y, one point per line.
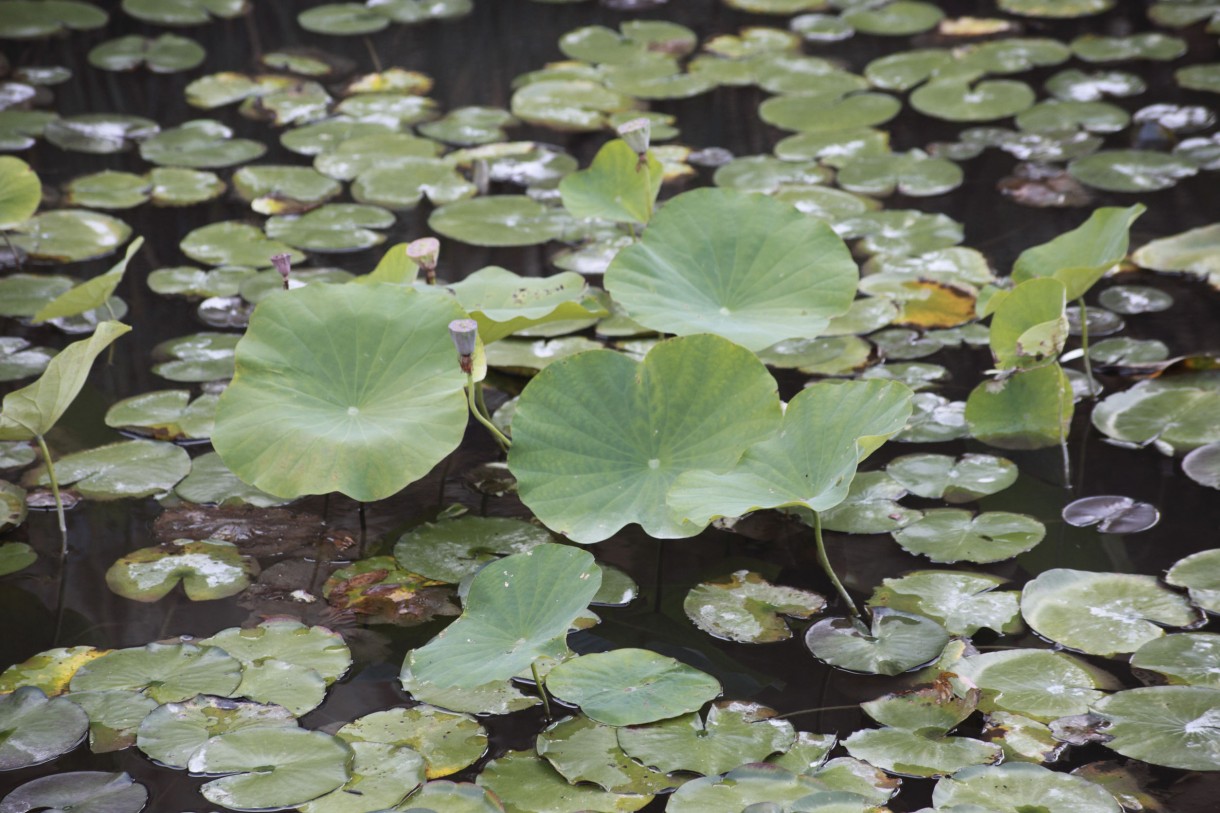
954	535
168	673
382	775
499	697
272	189
870	506
910	753
168	53
1185	658
32	410
335	227
184	12
208	569
1037	683
447	742
212	482
912	173
70	235
288	640
748	609
93	293
1017	787
569	105
1199	573
165	415
587	751
77	791
20	192
618	186
1174	414
956	99
500	220
827	430
962	602
1029	409
360	379
271	767
1029	326
777	273
598	439
451	550
50	670
894	643
733	733
964	479
1102	613
14	556
1175	726
262	284
746	788
234	243
1131	170
200	144
1080	257
828	111
526	783
114	717
174	731
504	303
502	630
631	686
34	729
129	468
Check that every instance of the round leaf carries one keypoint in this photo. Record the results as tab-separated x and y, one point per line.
271	767
733	734
209	569
895	643
748	609
451	550
631	686
954	535
1017	786
36	729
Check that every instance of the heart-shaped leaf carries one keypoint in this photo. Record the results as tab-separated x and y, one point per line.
618	186
631	686
209	569
894	643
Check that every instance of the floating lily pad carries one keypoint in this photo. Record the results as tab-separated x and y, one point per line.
50	670
963	603
828	111
451	550
631	686
1030	409
897	19
831	355
1111	514
921	754
1040	684
959	100
405	183
81	791
912	173
497	697
756	787
165	415
173	732
1203	465
70	235
167	53
1164	725
526	782
1185	658
382	775
199	357
525	356
380	592
270	767
19	129
1102	613
18	360
748	609
870	506
130	468
496	637
504	303
499	220
1054	9
1131	170
587	751
964	480
1200	574
335	227
275	190
574	105
895	643
458	797
953	535
733	733
290	641
37	729
1018	786
234	243
168	673
189	281
901	231
14	556
200	144
447	742
99	133
114	717
1077	86
208	569
1150	45
1172	414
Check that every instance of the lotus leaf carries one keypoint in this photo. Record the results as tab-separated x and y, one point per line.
954	535
165	414
1102	613
99	133
77	791
1029	409
821	27
897	19
525	356
1200	574
208	569
930	708
833	146
173	732
870	506
109	190
1194	251
200	144
503	630
498	697
618	186
189	281
1131	170
963	480
657	77
1134	299
168	673
829	110
335	227
1013	55
1185	658
911	753
1203	465
587	751
527	783
1077	86
22	192
807	75
809	462
1054	115
913	173
1017	787
18	360
745	788
275	190
212	482
167	53
199	357
453	797
962	603
448	742
957	100
328	135
631	686
1080	257
36	19
233	243
1022	739
271	767
1037	683
499	220
403	185
901	231
865	315
504	303
290	641
575	105
1174	414
522	163
895	643
130	468
733	733
807	754
832	355
114	717
1164	725
70	235
907	69
49	671
20	128
451	550
184	12
382	775
380	592
1111	514
467	126
91	294
748	609
258	286
36	730
1150	45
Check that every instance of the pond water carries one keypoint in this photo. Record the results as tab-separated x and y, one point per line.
474	60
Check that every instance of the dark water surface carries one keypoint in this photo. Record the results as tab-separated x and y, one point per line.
474	61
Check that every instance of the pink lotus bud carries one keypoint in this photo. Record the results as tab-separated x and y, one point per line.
283	264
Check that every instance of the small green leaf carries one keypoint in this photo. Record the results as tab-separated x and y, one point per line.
617	186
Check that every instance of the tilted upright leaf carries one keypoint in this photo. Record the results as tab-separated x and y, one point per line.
1080	257
1029	327
617	186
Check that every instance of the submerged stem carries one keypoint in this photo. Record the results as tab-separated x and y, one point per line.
824	561
59	505
546	701
1084	345
504	442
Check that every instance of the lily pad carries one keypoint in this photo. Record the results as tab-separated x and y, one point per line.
631	686
99	133
168	673
527	783
381	775
1187	658
18	360
50	670
1102	613
447	742
1153	46
171	733
1175	726
189	281
755	787
200	144
270	767
22	192
15	556
451	550
954	535
1203	465
504	303
209	569
165	415
961	602
499	220
234	243
828	111
1029	409
958	100
199	357
168	53
1200	574
618	186
79	791
1077	86
748	609
287	640
587	751
896	642
1055	9
1037	683
921	754
1172	414
568	105
733	733
496	637
335	227
276	190
1134	299
1111	514
1018	786
962	480
184	12
870	506
70	235
131	468
1131	170
913	173
496	697
36	729
114	717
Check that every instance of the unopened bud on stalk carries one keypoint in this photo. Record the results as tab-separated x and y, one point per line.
637	133
465	334
425	252
283	264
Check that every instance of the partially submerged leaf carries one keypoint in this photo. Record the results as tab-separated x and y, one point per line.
747	608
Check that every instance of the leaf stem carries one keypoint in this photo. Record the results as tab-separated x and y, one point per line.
59	505
504	442
13	250
1084	345
546	702
824	561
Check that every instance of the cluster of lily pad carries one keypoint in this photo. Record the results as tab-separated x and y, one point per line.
348	383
